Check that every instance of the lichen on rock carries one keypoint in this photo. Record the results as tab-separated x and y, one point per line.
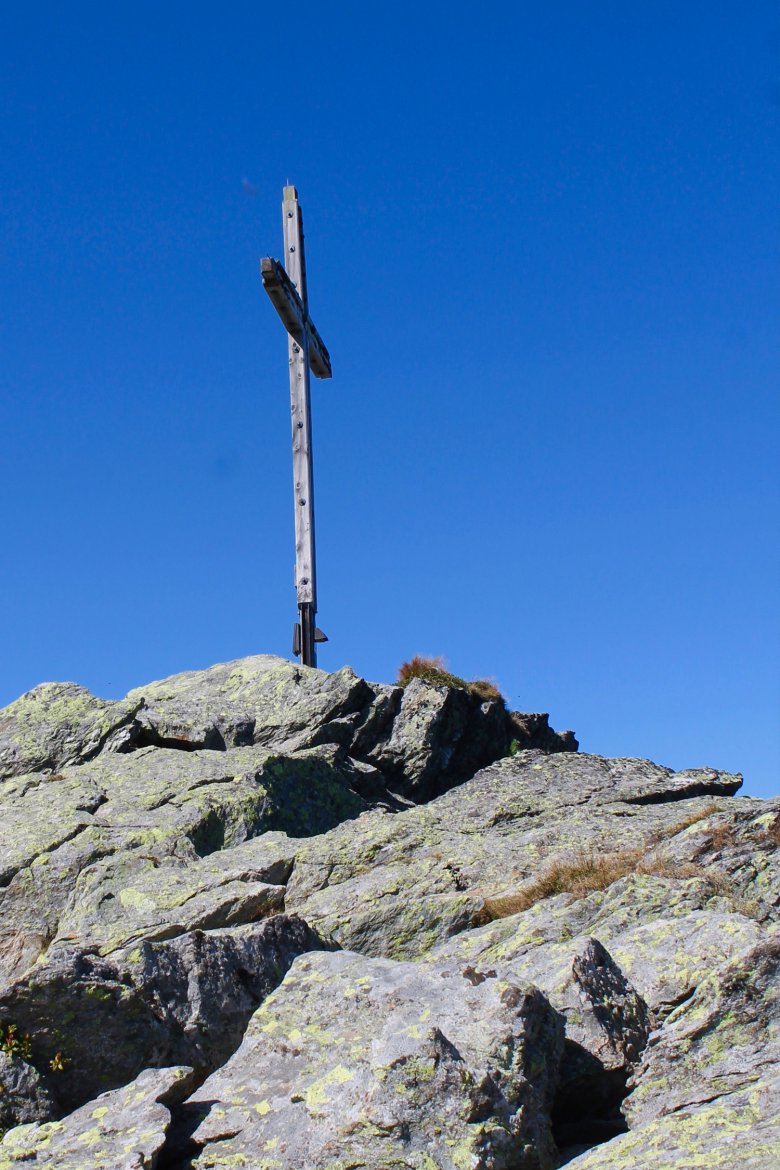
383	927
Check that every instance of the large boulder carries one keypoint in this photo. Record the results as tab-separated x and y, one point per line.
724	1040
606	1021
259	700
707	1091
73	839
369	1063
99	1022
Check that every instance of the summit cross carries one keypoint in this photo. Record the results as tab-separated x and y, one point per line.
286	286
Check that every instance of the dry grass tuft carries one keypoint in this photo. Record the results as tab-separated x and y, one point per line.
773	830
430	670
434	671
701	814
487	691
581	875
721	835
587	872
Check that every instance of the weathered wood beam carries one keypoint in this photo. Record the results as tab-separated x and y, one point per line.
285	299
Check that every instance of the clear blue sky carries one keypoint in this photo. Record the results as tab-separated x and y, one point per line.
542	250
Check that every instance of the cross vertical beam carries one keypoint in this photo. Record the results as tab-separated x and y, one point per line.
287	290
300	412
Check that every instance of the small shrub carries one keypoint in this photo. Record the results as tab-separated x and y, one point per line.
434	671
12	1044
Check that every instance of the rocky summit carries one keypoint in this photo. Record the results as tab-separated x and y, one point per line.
268	917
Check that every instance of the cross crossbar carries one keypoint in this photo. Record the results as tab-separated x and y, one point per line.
289	306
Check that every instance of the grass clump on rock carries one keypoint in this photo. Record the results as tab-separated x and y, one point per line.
434	671
587	872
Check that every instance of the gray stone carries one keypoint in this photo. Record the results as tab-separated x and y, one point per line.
23	1095
484	839
182	1000
665	934
738	1132
122	1130
706	1093
155	808
56	724
369	1063
259	700
440	736
606	1022
724	1040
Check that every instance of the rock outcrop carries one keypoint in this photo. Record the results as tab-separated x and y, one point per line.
265	916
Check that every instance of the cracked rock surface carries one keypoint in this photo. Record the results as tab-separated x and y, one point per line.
264	916
362	1061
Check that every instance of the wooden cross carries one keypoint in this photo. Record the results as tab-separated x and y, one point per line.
287	290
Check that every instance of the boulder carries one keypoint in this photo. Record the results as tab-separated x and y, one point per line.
706	1093
725	1039
440	736
23	1096
259	700
741	1131
56	724
101	1021
122	1130
74	840
606	1022
370	1063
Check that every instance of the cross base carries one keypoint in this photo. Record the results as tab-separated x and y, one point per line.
306	635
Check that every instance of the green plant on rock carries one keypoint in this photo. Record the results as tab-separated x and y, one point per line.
12	1044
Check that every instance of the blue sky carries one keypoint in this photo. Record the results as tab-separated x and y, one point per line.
542	250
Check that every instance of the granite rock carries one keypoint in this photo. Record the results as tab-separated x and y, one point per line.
122	1130
548	957
370	1063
